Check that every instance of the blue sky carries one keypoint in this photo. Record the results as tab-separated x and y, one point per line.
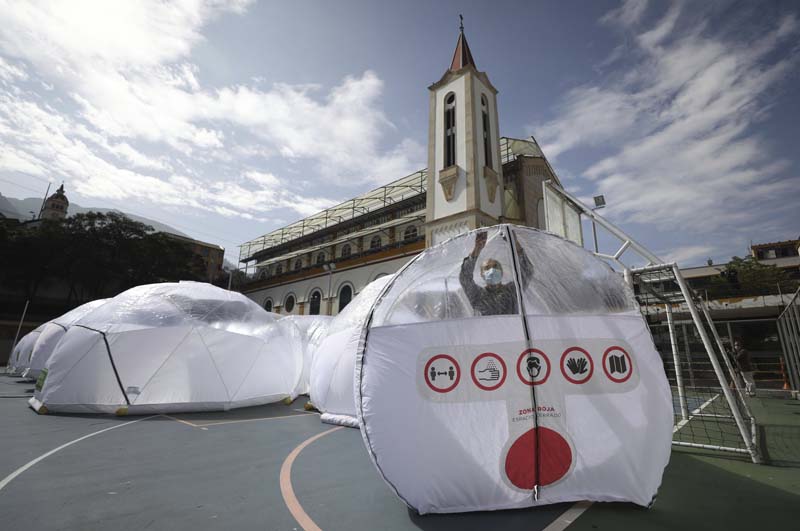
227	120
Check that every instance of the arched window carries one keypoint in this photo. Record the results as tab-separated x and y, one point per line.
346	250
320	258
279	270
410	233
268	305
375	243
345	296
449	130
298	264
487	136
288	305
315	302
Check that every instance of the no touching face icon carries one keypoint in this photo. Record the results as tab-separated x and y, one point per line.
533	367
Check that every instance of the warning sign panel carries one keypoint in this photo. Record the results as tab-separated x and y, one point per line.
442	373
617	364
577	365
533	367
488	371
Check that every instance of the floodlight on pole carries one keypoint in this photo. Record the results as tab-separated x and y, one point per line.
599	202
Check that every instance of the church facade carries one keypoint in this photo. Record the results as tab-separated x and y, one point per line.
475	178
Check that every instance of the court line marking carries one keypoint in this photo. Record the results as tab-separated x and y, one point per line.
206	424
568	517
287	491
9	478
696	411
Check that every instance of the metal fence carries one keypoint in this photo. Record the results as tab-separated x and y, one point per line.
789	331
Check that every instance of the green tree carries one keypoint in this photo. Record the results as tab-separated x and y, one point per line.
748	276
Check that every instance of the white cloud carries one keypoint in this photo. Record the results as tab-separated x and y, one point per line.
120	111
627	14
689	254
681	125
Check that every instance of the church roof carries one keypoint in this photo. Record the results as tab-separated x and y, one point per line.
462	56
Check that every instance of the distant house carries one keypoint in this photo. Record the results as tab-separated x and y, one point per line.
211	254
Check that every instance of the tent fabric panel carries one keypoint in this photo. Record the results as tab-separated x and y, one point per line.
80	373
621	433
138	354
233	355
430	288
565	279
424	447
333	371
187	375
43	348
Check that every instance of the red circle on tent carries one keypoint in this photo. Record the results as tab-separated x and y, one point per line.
523	356
475	379
591	365
454	366
630	365
555	453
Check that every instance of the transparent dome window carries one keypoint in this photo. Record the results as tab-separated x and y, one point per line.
474	275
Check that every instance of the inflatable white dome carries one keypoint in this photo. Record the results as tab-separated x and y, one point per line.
51	334
498	376
20	357
171	347
312	330
333	362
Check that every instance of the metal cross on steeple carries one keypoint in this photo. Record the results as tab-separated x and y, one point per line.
461	23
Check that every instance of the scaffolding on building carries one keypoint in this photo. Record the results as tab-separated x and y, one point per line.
395	192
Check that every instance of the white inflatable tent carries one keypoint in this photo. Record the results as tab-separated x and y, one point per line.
171	347
20	356
471	401
333	362
51	334
312	330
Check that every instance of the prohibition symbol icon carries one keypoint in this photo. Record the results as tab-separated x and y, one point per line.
442	373
577	365
533	367
616	361
488	371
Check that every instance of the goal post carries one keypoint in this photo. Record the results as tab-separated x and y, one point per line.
711	412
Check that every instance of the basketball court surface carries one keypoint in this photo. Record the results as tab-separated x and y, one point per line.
278	467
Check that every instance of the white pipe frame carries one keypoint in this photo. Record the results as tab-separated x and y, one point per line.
657	264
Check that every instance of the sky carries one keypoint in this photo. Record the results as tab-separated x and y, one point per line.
229	119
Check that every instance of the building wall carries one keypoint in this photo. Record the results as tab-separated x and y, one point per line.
356	277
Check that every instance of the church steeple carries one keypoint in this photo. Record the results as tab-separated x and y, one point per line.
462	56
465	173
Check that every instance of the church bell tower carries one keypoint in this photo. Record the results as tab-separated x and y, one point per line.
465	174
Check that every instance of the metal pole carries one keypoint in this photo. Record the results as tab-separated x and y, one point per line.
793	327
594	235
737	415
787	354
19	327
330	295
676	360
688	355
735	377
